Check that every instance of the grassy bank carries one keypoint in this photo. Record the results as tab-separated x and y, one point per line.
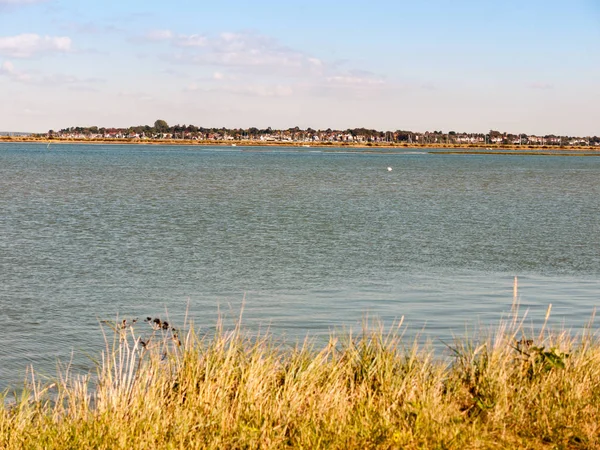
509	389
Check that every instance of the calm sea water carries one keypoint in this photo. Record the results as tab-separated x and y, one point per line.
314	241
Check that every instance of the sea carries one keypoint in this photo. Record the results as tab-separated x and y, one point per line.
299	243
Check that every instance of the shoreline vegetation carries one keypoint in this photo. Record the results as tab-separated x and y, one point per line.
478	148
505	388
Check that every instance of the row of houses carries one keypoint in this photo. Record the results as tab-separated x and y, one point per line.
304	136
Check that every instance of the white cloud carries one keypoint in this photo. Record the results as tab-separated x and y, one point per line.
159	35
357	82
315	62
70	80
248	51
137	96
220	76
20	2
354	80
8	69
260	90
541	85
194	40
251	64
250	90
29	45
91	28
32	112
254	50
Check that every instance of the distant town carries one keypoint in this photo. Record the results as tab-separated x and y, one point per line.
160	130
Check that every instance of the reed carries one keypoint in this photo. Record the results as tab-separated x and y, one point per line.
507	388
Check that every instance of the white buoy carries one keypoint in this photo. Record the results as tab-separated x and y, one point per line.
389	169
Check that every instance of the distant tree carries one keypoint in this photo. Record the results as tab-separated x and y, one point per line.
161	125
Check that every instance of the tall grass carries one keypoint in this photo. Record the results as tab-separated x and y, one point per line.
505	389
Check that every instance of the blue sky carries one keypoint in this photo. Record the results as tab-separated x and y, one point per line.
518	66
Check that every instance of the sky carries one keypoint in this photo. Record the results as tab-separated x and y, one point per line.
526	66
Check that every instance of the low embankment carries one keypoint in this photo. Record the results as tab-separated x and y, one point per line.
325	144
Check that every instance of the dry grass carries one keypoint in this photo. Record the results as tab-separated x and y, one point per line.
233	390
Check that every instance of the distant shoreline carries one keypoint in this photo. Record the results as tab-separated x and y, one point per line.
454	148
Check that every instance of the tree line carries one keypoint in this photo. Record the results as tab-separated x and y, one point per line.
161	129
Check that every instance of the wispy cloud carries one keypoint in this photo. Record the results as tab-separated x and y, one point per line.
351	79
90	28
540	85
351	84
194	40
137	96
158	35
33	112
428	86
254	65
220	76
250	90
8	69
249	51
65	79
20	2
30	45
10	5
